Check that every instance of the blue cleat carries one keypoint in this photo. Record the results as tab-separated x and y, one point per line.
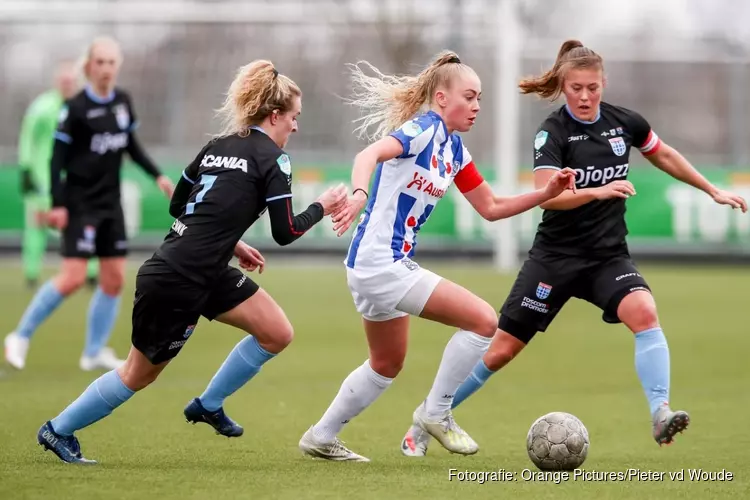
67	448
194	413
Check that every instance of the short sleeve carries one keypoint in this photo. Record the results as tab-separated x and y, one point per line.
547	150
279	178
66	123
414	135
644	138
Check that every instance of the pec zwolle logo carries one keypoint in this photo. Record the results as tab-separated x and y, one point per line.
543	290
618	145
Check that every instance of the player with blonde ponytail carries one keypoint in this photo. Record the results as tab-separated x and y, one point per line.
236	177
415	157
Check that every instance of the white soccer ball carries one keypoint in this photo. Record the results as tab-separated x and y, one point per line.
557	441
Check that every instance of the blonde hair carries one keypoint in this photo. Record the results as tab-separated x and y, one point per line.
572	55
84	61
388	101
257	91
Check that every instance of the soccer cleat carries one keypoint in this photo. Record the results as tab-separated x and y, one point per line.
16	349
415	442
446	431
195	412
667	423
332	450
67	448
106	359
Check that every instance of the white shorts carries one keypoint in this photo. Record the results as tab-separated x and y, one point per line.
400	289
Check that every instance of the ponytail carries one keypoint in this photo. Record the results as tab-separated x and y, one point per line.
572	55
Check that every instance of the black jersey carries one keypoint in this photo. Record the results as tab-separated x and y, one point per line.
599	152
228	186
92	135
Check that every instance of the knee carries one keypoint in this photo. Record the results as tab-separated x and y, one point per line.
111	282
500	354
485	322
639	313
135	379
388	367
69	281
280	339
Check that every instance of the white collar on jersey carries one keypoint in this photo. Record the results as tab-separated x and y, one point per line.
98	99
598	115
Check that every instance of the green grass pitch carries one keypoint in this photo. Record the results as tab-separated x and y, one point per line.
581	365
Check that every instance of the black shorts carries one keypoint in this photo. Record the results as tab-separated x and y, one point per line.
95	234
167	306
543	286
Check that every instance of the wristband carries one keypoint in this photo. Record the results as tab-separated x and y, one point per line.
367	196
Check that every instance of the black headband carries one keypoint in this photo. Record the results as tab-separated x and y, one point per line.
275	73
454	59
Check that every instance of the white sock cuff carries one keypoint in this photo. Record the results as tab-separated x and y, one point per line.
375	377
475	339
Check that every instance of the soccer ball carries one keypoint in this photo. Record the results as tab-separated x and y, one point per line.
557	441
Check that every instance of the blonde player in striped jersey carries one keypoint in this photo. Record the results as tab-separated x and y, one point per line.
415	159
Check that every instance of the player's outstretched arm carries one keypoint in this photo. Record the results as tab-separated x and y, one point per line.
568	200
669	160
287	227
365	162
493	207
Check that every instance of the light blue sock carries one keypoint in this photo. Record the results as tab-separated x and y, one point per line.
652	366
240	366
103	310
473	382
98	400
46	300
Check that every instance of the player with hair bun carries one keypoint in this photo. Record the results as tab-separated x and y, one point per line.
416	156
580	248
233	180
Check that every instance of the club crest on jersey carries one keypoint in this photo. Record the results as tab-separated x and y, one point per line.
285	164
618	145
540	139
543	290
122	115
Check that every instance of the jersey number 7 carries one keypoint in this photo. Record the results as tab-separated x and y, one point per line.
207	181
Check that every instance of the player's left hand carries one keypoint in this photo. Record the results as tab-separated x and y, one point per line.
165	185
561	180
250	258
343	218
733	200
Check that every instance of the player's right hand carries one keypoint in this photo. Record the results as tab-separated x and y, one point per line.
58	218
616	189
333	199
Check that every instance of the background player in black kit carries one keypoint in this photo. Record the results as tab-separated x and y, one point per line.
228	186
580	249
95	128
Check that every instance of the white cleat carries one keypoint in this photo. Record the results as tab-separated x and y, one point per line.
106	359
16	349
415	442
446	431
333	450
